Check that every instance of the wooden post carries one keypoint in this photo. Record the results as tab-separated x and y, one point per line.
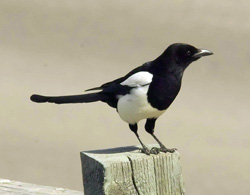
123	171
9	187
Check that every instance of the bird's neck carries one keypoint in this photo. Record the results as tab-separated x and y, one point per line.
164	67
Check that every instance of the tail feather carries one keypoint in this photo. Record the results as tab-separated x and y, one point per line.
95	88
85	98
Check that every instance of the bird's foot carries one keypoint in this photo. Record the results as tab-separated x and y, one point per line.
165	150
145	150
155	150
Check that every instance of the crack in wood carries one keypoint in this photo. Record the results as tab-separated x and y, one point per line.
133	177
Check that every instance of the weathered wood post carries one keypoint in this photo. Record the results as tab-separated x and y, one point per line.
123	171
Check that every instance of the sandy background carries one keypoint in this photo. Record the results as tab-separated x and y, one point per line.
62	47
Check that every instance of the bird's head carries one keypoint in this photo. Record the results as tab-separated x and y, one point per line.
182	54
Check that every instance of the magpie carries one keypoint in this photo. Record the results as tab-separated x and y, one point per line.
144	93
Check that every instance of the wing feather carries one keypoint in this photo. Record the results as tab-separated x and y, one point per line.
138	79
144	67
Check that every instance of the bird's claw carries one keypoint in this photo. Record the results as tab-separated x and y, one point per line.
165	150
155	150
145	150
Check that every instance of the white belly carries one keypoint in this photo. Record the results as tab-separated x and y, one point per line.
134	107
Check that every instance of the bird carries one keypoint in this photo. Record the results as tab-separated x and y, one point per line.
146	92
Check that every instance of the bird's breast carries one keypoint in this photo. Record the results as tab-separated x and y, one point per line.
162	91
134	106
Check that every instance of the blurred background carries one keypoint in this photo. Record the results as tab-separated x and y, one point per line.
63	47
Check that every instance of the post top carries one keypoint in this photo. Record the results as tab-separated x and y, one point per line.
123	153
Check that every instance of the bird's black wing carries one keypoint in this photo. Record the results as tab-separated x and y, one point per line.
144	67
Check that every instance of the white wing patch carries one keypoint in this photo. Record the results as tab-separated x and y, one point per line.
134	106
138	79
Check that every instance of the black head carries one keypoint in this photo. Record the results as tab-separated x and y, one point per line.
182	55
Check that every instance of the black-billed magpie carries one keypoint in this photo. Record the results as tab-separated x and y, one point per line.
144	93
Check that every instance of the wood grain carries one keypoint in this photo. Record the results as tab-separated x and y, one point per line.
124	171
8	187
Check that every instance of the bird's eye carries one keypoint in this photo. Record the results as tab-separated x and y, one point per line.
188	53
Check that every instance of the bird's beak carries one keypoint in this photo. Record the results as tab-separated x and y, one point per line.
202	52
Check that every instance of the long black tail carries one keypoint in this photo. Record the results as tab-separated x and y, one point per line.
85	98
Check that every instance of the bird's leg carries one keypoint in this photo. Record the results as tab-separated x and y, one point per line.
149	126
162	147
144	148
